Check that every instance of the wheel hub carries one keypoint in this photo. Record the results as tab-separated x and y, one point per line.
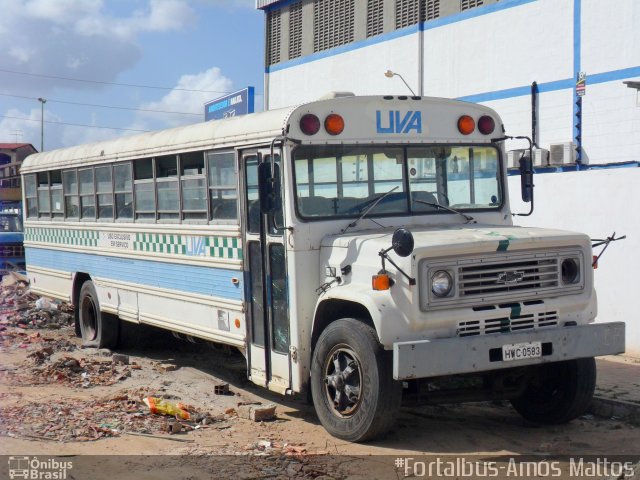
343	380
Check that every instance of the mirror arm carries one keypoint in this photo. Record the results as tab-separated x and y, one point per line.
384	256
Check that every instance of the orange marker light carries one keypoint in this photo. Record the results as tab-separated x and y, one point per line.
334	124
595	262
381	282
466	125
237	323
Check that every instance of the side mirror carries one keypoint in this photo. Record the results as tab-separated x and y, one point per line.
402	242
269	188
526	178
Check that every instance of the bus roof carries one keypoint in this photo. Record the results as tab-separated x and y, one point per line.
366	119
247	129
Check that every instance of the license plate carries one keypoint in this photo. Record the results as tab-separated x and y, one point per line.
521	351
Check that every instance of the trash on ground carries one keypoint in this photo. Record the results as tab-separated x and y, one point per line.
159	406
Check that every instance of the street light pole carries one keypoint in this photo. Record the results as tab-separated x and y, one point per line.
390	74
42	102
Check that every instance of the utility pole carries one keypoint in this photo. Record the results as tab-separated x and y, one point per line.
42	102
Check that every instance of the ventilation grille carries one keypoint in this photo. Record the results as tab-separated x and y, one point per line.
432	10
273	37
332	23
374	17
515	323
516	276
408	12
467	4
295	30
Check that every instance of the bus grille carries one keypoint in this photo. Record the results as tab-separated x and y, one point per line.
515	276
526	321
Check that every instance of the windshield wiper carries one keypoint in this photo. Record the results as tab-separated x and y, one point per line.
468	218
371	207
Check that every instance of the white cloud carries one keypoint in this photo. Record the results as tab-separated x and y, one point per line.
183	98
78	38
27	124
231	3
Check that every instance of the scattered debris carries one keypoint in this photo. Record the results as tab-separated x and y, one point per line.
159	406
166	367
221	389
257	413
120	358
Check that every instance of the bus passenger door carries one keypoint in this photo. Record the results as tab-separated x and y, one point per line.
267	288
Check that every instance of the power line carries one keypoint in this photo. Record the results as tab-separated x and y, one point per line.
102	106
100	82
73	124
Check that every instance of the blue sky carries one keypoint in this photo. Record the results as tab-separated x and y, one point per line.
197	49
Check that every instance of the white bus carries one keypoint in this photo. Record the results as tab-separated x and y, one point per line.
360	248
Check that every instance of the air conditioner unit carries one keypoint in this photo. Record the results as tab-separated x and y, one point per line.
513	158
540	157
562	153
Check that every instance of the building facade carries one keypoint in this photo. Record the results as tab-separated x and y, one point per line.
11	157
563	72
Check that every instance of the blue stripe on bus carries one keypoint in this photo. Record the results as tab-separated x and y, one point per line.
210	281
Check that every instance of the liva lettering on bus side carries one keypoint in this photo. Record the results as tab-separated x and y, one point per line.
398	122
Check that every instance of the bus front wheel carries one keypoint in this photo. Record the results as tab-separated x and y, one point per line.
352	386
98	329
558	392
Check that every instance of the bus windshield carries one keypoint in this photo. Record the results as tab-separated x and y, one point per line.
344	180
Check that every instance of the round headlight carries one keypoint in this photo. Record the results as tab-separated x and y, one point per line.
441	283
570	270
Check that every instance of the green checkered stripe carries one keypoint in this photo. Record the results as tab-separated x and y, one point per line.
224	247
160	243
84	238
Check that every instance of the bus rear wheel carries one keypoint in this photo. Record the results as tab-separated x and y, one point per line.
558	392
352	386
98	329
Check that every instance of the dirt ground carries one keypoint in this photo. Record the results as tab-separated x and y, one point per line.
60	399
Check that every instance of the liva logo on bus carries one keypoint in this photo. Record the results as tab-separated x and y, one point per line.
395	121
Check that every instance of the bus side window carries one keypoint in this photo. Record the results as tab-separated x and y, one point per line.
70	190
194	195
223	187
30	190
123	190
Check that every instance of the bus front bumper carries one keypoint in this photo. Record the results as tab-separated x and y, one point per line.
451	356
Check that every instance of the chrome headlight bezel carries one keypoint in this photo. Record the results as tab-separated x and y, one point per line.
441	283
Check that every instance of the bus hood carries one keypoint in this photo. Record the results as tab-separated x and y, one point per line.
449	240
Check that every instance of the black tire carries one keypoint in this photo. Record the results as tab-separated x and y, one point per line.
352	386
98	329
558	392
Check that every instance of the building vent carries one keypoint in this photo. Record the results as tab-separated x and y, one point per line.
273	37
467	4
408	12
295	30
432	10
374	17
562	153
332	23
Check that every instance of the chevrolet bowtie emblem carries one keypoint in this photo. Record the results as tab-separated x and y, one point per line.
509	278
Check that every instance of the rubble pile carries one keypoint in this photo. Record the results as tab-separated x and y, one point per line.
76	372
89	420
21	308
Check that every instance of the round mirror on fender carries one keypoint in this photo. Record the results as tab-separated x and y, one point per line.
402	242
